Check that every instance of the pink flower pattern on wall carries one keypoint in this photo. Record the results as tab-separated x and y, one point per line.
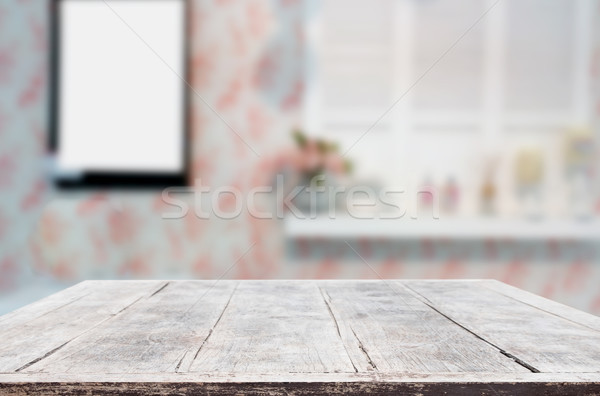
246	62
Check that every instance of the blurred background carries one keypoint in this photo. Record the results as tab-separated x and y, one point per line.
485	114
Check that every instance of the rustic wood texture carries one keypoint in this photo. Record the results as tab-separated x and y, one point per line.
540	341
298	337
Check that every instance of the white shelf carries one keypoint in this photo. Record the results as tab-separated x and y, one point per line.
348	227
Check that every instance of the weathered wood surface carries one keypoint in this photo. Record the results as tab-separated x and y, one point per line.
298	337
541	341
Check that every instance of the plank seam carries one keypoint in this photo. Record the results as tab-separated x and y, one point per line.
34	361
124	308
364	350
50	311
181	360
51	352
326	296
327	304
210	331
159	289
517	360
540	309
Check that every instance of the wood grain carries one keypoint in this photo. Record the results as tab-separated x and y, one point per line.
302	384
43	334
298	337
158	334
543	304
273	327
331	387
398	333
537	339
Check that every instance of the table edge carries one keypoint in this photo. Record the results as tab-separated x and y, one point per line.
471	377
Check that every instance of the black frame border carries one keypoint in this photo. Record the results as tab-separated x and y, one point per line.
115	180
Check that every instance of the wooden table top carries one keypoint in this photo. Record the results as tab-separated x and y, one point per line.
298	337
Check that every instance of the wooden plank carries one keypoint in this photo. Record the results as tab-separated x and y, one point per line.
274	327
46	333
173	377
45	305
537	339
159	334
303	384
538	302
397	333
298	337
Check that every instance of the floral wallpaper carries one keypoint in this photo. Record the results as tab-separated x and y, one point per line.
247	64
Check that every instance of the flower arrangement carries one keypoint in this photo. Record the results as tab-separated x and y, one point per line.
310	162
314	157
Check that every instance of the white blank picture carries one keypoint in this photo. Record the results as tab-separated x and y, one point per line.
121	96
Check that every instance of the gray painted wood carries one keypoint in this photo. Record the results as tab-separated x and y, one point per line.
542	341
44	306
397	333
274	327
543	304
158	334
44	334
298	337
